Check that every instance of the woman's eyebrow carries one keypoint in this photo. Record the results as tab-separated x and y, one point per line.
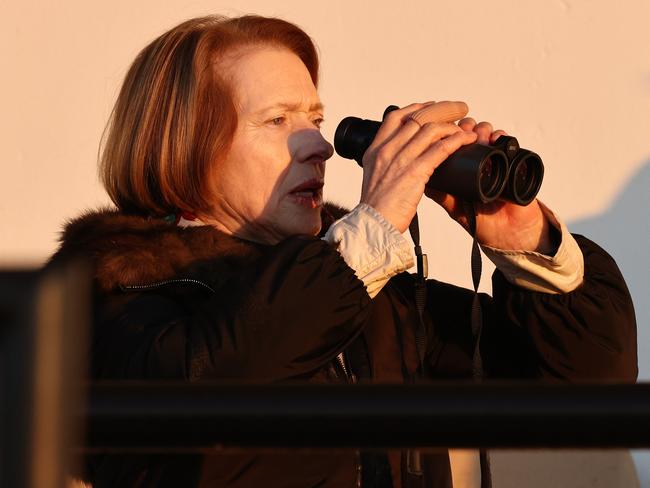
292	107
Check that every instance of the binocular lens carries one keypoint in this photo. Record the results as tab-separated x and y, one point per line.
526	176
522	173
489	177
521	181
474	172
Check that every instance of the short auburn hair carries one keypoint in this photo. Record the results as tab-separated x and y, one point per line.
175	114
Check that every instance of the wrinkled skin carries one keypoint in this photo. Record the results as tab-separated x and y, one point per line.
277	147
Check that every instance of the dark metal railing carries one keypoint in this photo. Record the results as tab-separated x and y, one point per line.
196	416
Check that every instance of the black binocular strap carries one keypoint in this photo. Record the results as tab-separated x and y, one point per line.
420	291
413	457
477	316
477	326
414	462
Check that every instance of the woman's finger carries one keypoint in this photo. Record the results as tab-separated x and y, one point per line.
468	123
440	112
430	133
401	125
383	152
394	121
496	134
483	131
430	159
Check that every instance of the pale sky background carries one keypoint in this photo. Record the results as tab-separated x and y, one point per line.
569	78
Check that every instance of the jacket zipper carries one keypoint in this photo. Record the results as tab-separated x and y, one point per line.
349	375
151	286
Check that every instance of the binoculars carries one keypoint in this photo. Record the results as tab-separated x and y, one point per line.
475	172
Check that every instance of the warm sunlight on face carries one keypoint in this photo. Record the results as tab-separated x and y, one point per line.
270	184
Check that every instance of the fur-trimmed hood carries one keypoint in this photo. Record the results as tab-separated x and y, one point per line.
128	250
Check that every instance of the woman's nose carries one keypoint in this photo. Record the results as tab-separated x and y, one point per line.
327	149
310	146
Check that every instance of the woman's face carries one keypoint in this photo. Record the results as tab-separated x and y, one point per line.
269	186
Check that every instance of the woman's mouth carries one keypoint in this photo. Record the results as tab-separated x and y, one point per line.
308	194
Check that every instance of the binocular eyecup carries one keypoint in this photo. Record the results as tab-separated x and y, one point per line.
475	172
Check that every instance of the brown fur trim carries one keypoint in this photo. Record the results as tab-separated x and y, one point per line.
329	214
134	250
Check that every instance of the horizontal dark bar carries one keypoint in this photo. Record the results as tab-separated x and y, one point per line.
198	416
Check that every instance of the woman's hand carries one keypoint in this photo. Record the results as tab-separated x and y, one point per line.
408	147
500	224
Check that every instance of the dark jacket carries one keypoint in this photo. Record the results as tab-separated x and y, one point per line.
194	304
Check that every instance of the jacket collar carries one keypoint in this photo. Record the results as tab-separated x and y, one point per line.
128	250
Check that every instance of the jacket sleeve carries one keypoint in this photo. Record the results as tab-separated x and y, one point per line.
589	333
284	315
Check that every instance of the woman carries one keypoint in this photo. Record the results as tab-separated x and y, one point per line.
221	260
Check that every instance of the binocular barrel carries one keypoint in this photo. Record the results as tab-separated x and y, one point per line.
474	172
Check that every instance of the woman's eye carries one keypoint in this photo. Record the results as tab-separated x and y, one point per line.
318	122
277	121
